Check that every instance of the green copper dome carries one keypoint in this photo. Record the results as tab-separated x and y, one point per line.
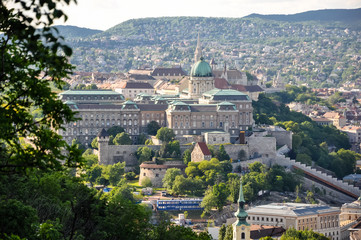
201	69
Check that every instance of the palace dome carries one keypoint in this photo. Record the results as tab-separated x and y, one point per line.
201	69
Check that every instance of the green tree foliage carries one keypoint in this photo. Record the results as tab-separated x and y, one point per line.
208	202
15	214
94	144
94	173
33	58
165	134
122	190
221	192
124	218
293	234
130	175
141	139
261	178
307	135
89	159
187	186
233	186
215	197
222	232
229	233
116	172
144	154
169	177
170	149
152	128
166	231
221	154
85	87
187	156
115	130
122	139
146	182
343	162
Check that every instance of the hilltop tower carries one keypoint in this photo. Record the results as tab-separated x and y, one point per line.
241	228
198	51
103	143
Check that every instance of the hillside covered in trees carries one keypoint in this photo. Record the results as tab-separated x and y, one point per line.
321	51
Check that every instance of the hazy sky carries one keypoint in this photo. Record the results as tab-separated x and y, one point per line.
103	14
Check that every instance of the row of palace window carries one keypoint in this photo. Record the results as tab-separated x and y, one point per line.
204	125
268	219
92	98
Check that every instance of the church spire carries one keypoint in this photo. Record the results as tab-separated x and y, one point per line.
241	214
198	51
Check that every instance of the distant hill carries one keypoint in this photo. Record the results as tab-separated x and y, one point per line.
341	15
76	32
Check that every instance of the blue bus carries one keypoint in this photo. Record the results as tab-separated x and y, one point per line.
179	204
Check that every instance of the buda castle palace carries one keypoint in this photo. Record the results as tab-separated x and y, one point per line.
208	100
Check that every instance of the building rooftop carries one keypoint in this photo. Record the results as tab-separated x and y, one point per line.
174	71
137	85
90	92
201	69
204	148
225	95
292	209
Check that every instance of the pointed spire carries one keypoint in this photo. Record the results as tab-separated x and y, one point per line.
241	214
241	198
198	51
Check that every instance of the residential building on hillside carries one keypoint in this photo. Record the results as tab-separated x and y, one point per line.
338	120
130	89
319	218
322	121
354	136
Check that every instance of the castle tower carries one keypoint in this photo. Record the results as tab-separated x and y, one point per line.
241	228
103	143
198	51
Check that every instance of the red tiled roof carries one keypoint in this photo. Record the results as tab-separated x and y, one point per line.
221	83
204	148
259	231
239	87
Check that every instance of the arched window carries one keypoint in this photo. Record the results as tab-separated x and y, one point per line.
243	235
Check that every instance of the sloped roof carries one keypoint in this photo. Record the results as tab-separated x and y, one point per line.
153	107
204	148
141	77
245	88
136	85
174	71
259	231
221	83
